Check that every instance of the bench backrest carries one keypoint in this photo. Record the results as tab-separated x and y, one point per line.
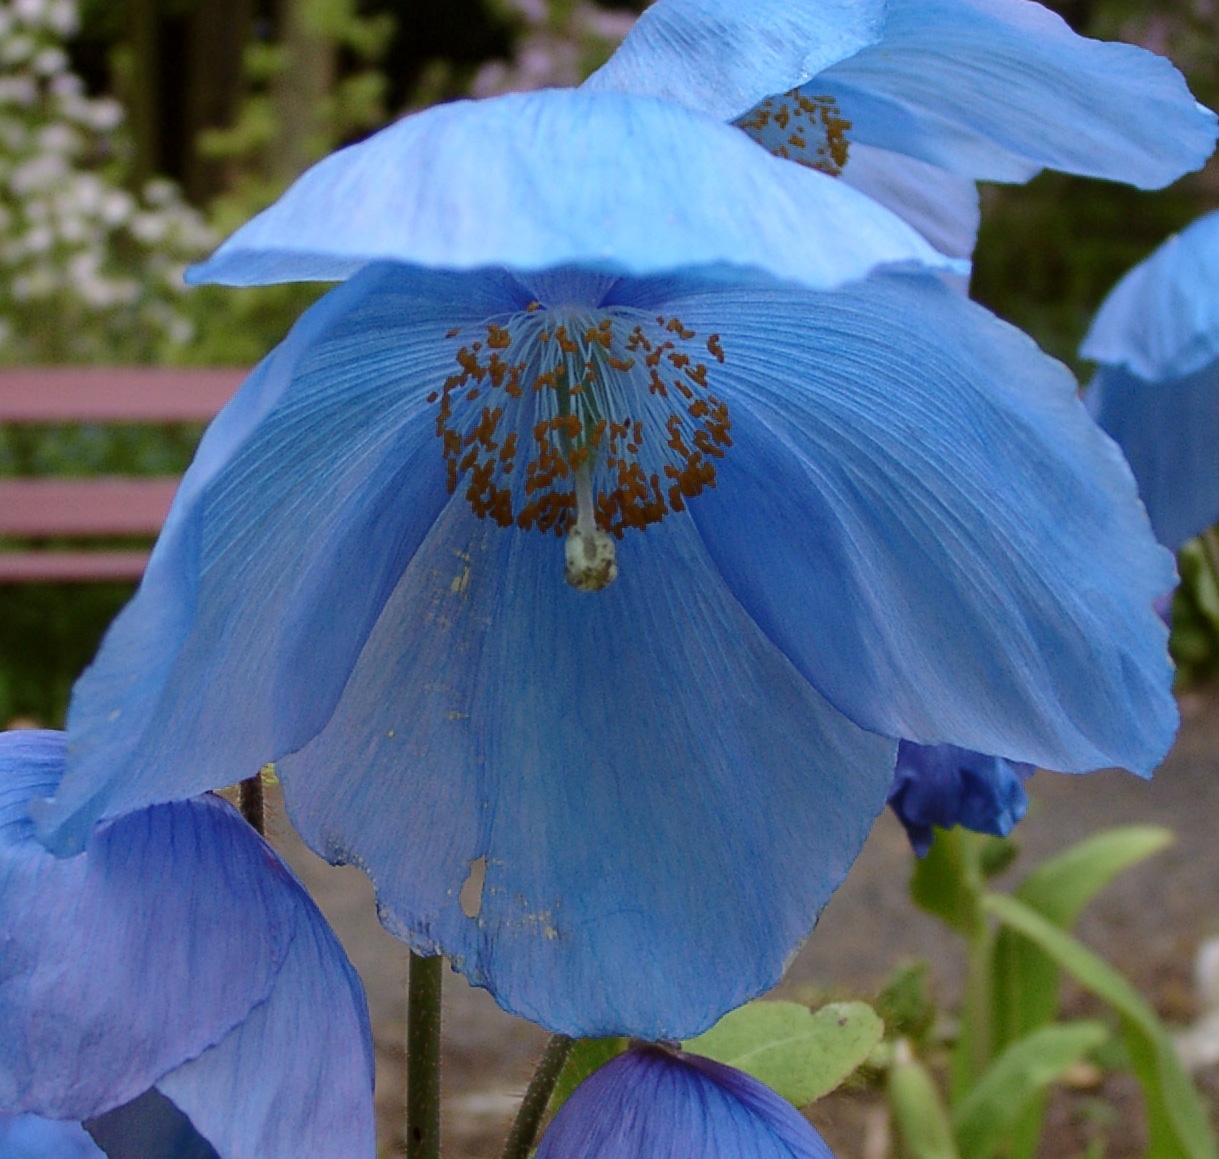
98	507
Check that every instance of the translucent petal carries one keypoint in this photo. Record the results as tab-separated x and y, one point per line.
943	786
1169	433
1162	319
531	181
651	1103
116	965
919	512
31	1137
660	803
722	57
999	89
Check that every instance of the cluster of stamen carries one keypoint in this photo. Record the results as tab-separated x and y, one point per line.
810	130
551	416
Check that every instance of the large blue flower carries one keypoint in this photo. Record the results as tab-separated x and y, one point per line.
653	1103
173	987
818	518
946	93
1156	392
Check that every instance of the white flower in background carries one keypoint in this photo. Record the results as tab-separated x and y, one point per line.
88	269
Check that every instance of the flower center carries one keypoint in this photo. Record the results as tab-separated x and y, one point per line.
810	130
584	422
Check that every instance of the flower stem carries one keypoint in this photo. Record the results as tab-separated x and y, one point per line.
533	1105
423	1058
1210	546
253	804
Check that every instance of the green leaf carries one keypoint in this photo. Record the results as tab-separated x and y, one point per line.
800	1053
1177	1123
1059	888
588	1055
984	1120
946	882
918	1110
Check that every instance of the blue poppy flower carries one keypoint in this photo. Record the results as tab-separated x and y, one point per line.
818	515
947	93
1156	392
173	988
941	786
655	1103
29	1137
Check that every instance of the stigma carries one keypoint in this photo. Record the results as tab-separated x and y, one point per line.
582	422
807	129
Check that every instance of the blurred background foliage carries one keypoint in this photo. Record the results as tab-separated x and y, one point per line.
136	133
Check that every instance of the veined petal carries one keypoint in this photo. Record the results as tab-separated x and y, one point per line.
652	1103
1000	89
942	786
721	57
932	529
116	965
178	953
1161	320
531	181
1169	432
31	1137
660	802
942	206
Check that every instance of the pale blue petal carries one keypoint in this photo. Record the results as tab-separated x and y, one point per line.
30	1137
116	966
999	89
531	181
662	802
1169	433
942	206
920	513
942	786
651	1103
324	470
1162	319
721	56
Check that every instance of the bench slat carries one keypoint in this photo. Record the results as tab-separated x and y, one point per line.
114	394
71	566
94	506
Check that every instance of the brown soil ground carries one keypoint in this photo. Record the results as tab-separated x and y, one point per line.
1149	923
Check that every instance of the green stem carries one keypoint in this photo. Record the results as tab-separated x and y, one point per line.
423	1058
537	1097
253	803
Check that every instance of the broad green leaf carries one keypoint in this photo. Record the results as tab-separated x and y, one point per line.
1177	1123
946	883
588	1055
984	1120
800	1053
918	1111
1059	888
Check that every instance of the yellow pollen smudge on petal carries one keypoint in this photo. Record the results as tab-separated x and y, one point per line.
808	129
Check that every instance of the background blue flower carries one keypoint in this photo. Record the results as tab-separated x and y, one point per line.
914	531
172	982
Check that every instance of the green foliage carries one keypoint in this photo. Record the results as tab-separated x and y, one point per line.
801	1053
918	1110
587	1055
904	1004
1195	611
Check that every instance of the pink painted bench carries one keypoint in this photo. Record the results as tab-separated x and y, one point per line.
96	508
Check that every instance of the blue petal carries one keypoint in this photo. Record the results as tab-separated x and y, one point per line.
117	974
662	803
722	57
1161	320
1169	433
651	1103
999	89
920	513
941	786
531	181
31	1137
149	1127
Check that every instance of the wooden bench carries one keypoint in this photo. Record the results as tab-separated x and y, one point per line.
100	507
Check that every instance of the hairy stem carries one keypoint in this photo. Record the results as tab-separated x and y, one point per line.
533	1105
423	1058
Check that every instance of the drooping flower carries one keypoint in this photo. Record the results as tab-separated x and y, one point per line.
946	93
595	341
173	988
1156	337
655	1103
941	786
